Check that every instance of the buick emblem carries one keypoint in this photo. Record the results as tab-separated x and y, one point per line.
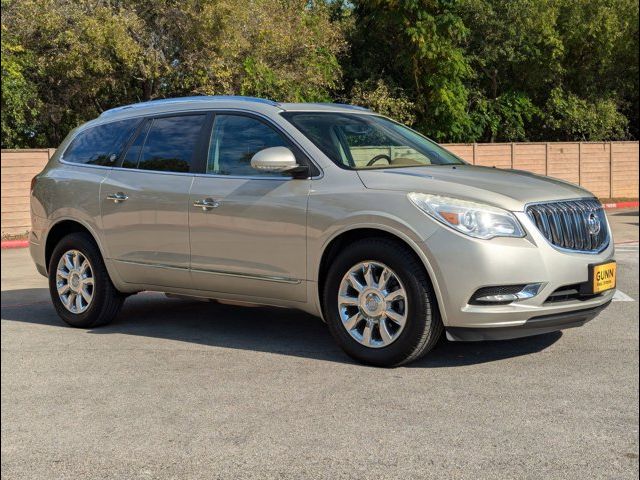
593	224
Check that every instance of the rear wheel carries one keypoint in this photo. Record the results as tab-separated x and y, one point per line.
379	304
80	287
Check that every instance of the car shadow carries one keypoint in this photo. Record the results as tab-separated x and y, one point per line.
632	213
263	329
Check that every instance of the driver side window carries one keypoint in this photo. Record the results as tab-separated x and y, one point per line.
235	139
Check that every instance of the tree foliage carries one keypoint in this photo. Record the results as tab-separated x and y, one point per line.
90	55
416	46
457	70
20	102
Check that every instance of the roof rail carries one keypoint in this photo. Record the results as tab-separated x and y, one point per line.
200	98
342	105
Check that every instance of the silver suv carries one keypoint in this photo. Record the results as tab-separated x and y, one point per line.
327	208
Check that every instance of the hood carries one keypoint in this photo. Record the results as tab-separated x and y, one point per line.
508	189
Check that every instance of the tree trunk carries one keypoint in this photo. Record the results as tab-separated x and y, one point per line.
147	90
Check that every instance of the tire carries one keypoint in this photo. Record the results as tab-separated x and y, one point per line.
422	325
105	301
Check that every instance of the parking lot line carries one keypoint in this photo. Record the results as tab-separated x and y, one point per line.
620	296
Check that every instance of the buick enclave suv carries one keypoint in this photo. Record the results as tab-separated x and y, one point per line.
327	208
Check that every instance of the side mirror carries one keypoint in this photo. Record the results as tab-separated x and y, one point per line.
275	159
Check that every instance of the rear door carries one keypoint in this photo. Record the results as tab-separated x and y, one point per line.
145	201
248	228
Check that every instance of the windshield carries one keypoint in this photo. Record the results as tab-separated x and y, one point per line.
362	141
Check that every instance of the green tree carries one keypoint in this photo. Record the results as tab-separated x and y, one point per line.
506	117
415	46
600	39
534	58
516	54
458	70
90	55
569	117
20	102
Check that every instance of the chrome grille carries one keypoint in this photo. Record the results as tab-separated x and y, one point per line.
572	224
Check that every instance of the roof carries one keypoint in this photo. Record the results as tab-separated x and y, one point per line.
222	101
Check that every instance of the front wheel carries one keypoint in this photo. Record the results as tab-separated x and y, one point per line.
80	287
379	304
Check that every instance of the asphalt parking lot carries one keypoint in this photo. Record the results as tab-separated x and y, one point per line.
184	389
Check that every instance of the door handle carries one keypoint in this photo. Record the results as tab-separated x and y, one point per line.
117	197
206	203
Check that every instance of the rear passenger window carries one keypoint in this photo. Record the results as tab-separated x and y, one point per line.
101	145
170	143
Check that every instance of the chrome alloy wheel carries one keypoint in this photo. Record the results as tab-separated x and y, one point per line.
372	304
74	281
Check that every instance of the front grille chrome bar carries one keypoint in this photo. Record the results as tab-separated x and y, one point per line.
574	225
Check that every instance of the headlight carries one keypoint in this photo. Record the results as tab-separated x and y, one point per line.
473	219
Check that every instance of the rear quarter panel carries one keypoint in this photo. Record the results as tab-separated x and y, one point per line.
67	192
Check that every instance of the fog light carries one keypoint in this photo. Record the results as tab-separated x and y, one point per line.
505	294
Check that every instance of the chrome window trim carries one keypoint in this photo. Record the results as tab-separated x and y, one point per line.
247	177
102	167
161	172
206	175
605	244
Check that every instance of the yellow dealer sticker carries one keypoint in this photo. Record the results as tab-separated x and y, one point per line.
604	277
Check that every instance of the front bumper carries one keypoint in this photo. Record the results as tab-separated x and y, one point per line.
461	265
533	326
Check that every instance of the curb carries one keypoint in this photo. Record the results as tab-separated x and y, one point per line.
612	206
14	244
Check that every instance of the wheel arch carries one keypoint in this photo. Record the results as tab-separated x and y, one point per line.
339	240
62	228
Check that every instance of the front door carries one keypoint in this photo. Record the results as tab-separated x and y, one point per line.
145	202
248	228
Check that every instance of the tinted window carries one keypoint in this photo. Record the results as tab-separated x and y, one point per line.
133	153
235	140
100	145
171	143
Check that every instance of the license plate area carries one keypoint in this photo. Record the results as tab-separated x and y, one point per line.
602	277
